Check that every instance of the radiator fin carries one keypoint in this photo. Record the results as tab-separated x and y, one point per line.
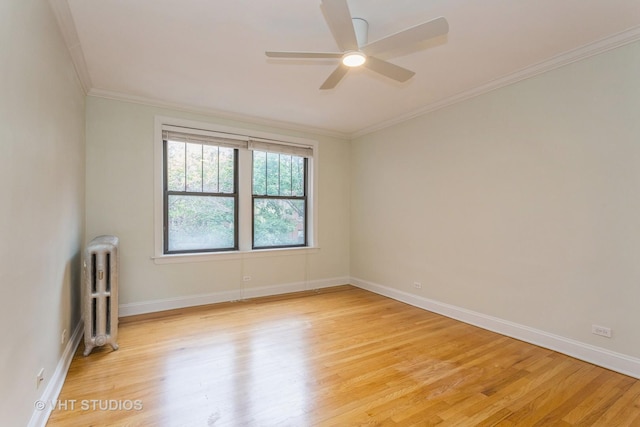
101	293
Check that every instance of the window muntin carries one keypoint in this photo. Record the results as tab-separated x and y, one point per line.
279	200
200	197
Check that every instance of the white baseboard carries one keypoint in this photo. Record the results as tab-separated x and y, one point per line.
618	362
153	306
50	394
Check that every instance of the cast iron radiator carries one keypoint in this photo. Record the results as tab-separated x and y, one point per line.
101	293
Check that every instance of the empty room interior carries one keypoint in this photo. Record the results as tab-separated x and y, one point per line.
445	231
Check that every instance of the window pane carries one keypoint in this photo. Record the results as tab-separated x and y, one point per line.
259	173
285	175
175	166
278	174
226	170
194	167
273	174
278	222
201	222
210	169
297	176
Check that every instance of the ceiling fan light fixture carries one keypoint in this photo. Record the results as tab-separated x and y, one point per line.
354	59
350	34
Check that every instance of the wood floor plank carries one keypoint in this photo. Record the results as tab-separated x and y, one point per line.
339	357
593	406
625	409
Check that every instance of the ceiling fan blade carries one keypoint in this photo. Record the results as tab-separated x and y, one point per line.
335	77
303	55
338	17
388	69
421	32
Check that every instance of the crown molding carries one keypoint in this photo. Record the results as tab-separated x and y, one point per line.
65	21
603	45
68	28
244	118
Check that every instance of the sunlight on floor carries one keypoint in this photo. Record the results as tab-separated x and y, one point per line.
269	379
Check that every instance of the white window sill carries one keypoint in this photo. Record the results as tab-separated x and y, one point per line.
225	256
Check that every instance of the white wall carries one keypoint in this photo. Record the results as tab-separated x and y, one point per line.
42	204
523	203
120	187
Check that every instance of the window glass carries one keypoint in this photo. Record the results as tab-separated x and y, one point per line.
200	223
278	223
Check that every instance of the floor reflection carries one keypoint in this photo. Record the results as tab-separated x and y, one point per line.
263	372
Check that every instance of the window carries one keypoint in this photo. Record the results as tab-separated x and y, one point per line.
200	196
225	190
279	200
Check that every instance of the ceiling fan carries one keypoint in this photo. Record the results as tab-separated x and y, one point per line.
351	36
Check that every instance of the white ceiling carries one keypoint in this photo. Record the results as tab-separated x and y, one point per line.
208	55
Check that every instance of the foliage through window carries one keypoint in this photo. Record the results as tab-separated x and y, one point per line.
279	200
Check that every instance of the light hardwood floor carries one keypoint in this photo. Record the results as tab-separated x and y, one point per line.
339	357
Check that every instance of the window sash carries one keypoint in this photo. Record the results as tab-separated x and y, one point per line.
205	248
305	241
265	196
167	193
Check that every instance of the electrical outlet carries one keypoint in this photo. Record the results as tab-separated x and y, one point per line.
39	378
246	278
603	331
417	285
63	338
